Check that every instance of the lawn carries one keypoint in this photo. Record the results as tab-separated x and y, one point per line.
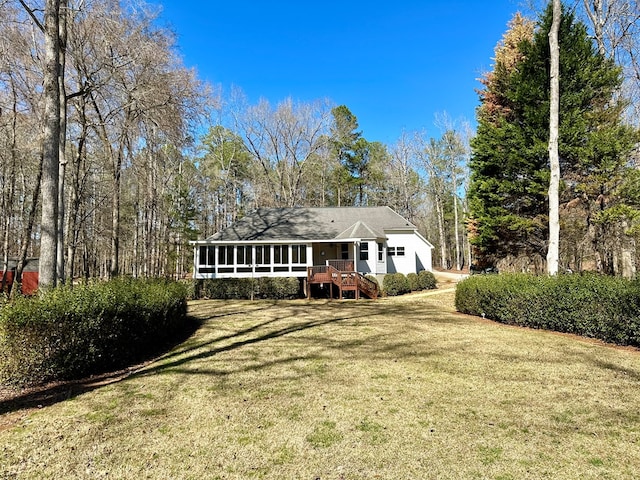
398	388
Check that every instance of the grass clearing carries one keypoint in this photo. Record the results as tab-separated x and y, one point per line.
396	388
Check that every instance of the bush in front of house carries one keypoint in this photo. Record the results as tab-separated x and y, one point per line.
275	288
423	280
426	280
607	308
414	283
395	284
278	288
70	333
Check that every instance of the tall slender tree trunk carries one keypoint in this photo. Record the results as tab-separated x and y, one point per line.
73	227
597	19
51	144
62	42
115	217
9	194
441	233
456	228
22	259
554	161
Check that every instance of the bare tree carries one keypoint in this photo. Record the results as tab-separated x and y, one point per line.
616	30
402	186
554	160
283	143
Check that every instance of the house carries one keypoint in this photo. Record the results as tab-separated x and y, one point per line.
287	242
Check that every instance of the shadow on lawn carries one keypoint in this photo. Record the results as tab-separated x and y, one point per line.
202	350
326	313
54	392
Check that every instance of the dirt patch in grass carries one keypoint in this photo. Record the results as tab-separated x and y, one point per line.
396	388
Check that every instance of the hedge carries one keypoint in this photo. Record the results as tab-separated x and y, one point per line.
274	288
70	333
607	308
426	280
395	284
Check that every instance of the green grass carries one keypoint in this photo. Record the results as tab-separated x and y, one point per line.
398	388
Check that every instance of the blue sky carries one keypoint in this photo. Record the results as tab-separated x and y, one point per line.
395	65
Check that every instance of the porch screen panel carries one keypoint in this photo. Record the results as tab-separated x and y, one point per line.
281	254
263	254
207	255
225	255
244	255
299	254
263	258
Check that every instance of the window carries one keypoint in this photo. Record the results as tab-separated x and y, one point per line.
263	254
225	255
344	251
380	252
399	251
299	254
281	254
244	255
207	256
364	251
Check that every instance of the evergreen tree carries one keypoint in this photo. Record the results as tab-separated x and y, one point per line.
509	163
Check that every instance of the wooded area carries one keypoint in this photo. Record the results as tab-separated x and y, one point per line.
112	162
596	151
138	156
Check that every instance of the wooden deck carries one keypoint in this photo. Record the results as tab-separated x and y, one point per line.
344	278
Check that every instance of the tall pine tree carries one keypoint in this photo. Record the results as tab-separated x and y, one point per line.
509	163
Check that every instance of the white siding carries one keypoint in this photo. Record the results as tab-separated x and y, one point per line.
368	265
416	253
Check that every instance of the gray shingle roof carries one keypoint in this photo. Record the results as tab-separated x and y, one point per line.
313	224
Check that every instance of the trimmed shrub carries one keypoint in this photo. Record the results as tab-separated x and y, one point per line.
414	282
426	280
278	288
395	284
275	288
607	308
69	333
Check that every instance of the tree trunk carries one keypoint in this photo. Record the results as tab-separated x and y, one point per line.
597	19
441	233
62	36
9	195
554	161
51	144
455	222
17	280
73	227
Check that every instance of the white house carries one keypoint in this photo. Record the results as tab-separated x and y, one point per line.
285	242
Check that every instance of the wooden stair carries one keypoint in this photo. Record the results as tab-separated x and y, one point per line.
344	280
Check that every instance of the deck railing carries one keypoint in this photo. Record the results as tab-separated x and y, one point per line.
345	280
342	265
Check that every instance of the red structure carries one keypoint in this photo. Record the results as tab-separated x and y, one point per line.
29	276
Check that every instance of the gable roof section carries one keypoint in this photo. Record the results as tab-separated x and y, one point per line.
359	230
313	224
